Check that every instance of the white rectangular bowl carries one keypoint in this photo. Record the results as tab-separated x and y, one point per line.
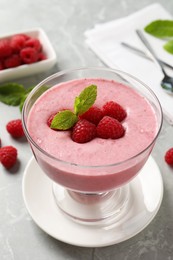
34	68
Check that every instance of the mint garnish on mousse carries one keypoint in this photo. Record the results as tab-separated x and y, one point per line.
66	119
87	121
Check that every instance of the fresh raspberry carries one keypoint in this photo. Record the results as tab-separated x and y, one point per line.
41	56
27	37
29	55
83	131
2	65
5	48
17	42
110	127
114	110
33	43
8	156
49	121
169	157
12	61
93	115
15	128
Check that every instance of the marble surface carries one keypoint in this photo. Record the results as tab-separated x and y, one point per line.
65	22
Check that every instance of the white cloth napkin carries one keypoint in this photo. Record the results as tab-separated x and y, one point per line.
105	40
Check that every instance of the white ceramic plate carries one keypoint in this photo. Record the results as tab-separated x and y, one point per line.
34	68
146	191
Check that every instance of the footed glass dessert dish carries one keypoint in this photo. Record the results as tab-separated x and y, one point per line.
91	181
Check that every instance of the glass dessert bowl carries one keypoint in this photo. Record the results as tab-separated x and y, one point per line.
90	181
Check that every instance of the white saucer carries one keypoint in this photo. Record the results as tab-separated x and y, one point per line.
146	191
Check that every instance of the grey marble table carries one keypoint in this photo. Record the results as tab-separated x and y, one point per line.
65	22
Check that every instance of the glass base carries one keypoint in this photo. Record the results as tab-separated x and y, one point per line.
146	193
93	208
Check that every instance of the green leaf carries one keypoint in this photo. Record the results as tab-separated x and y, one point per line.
11	99
14	94
11	93
169	46
85	100
64	120
10	88
160	28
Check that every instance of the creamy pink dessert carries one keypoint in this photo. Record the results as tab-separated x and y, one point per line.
78	165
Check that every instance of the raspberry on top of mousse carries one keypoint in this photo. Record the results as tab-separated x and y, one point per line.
93	115
88	121
83	131
110	127
114	110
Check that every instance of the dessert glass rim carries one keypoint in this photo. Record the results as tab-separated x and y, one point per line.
63	72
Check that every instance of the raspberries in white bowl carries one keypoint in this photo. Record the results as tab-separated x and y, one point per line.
25	53
20	49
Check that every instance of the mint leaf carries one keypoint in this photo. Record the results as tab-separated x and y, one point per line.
10	88
160	28
14	94
64	120
169	46
11	99
85	100
11	93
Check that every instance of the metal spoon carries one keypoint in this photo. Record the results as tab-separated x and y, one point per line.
167	81
143	54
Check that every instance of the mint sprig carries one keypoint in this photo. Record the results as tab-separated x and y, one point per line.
11	93
168	46
162	29
85	100
66	119
14	94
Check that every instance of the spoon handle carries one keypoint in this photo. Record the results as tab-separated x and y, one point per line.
143	54
150	49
